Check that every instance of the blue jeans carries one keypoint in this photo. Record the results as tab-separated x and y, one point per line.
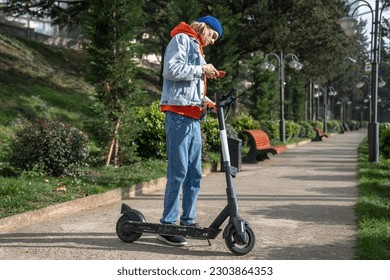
184	150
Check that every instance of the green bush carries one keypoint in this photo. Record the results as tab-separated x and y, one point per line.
307	130
316	124
364	124
210	134
6	135
243	121
272	129
239	123
51	147
384	139
334	126
292	130
353	125
151	141
151	135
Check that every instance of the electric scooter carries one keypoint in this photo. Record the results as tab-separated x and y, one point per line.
238	235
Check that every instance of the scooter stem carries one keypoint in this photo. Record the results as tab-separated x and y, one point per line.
232	206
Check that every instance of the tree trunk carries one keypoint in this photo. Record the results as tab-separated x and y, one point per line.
114	143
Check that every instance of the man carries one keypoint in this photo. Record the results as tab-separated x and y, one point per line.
183	99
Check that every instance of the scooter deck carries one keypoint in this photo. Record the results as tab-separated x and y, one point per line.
185	231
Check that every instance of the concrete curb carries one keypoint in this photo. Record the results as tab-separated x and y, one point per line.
291	146
73	206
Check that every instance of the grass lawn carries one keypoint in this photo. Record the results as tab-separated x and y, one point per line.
31	191
373	208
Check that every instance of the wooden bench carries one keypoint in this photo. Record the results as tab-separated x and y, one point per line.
320	134
260	146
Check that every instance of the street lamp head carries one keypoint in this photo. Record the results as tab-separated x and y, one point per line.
332	91
318	91
268	66
359	84
271	68
298	66
381	83
350	32
366	98
349	25
293	64
264	65
347	22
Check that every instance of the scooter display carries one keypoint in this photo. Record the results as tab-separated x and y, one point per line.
238	235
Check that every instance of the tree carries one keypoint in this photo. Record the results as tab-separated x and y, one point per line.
162	17
225	54
110	28
261	95
307	28
63	12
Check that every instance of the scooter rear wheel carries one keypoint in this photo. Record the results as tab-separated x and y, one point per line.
236	247
124	229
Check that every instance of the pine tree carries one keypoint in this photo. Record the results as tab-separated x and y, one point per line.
162	17
111	27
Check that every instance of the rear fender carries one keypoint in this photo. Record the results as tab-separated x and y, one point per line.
132	214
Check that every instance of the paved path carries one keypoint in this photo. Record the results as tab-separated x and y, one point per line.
299	204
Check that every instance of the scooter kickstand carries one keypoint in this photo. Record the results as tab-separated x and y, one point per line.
208	240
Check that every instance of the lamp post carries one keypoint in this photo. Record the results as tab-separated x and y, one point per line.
317	95
361	110
365	80
295	64
349	25
343	110
324	91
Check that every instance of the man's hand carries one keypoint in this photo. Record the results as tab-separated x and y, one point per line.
209	71
210	106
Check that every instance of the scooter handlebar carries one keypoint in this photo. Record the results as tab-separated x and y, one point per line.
227	99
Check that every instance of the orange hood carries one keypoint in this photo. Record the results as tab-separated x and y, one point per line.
183	27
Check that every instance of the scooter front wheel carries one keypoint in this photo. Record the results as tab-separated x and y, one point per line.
124	230
239	248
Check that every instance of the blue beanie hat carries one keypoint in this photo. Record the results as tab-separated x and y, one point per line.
213	22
